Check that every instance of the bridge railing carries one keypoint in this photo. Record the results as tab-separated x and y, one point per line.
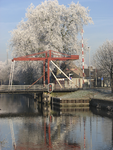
22	87
34	87
65	86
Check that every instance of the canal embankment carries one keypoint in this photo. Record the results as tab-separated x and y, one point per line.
100	98
104	104
103	99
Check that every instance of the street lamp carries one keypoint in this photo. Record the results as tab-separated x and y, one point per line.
89	68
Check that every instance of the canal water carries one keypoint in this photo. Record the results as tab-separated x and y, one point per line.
25	125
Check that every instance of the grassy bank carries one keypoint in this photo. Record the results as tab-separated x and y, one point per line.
103	93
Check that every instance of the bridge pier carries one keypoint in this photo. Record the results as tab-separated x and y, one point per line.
38	97
35	95
42	97
44	109
45	98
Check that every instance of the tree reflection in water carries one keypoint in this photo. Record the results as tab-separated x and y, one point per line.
30	126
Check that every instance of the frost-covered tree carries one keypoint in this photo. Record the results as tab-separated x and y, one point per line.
50	26
5	71
103	60
29	74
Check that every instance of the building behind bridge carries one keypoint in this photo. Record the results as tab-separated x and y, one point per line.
73	72
93	76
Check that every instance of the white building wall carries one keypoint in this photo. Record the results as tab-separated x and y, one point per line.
78	82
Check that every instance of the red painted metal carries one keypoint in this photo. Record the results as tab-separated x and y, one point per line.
49	136
35	82
48	145
45	131
66	58
44	72
29	59
47	56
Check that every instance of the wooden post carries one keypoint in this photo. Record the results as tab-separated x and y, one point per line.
40	97
34	95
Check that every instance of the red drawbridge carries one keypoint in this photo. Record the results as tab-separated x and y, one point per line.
46	56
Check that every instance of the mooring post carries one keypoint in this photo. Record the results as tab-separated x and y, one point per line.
49	98
35	96
40	97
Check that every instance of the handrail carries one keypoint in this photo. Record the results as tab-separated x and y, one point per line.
33	87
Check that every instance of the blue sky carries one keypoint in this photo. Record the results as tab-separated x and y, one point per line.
101	11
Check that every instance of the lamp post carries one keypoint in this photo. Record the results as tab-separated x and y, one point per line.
7	57
82	57
89	68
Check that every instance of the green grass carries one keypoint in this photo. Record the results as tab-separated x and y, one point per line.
78	94
83	94
58	94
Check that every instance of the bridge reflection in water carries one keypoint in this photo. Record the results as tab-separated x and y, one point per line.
33	126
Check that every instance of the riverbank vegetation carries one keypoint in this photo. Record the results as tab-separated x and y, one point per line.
103	60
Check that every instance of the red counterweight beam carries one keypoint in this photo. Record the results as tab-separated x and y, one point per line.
43	58
29	59
74	57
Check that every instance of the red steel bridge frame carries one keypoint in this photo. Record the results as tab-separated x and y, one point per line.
47	56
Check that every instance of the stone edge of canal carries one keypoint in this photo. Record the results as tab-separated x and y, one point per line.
103	104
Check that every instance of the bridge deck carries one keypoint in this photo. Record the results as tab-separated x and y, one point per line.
26	89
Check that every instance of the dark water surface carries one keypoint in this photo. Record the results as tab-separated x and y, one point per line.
25	125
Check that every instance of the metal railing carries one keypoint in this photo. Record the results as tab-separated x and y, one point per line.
33	87
22	87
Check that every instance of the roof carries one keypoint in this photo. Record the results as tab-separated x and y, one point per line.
70	68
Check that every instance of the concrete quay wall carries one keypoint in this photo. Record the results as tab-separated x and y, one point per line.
103	104
74	102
